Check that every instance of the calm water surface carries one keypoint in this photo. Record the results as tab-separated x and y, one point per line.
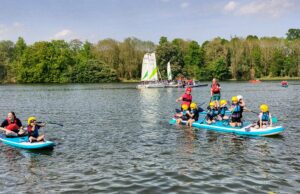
117	139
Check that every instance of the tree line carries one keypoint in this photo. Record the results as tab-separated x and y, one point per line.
58	61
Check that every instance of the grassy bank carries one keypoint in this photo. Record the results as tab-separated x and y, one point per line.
278	78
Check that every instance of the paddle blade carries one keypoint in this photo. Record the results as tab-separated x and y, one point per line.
274	119
172	121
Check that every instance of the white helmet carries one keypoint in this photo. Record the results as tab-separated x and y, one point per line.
239	97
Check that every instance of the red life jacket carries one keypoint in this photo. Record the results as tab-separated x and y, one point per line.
12	126
215	88
186	99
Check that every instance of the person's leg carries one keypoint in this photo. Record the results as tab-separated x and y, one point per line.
40	138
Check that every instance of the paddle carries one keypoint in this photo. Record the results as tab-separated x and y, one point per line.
52	123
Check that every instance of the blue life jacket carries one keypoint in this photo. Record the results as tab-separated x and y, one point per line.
237	111
223	110
265	116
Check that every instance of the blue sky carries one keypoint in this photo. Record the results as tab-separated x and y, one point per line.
95	20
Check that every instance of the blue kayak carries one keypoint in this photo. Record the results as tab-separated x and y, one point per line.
246	129
22	142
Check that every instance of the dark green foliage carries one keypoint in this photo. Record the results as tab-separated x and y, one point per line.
293	34
110	60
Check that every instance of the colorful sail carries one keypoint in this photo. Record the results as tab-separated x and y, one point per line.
169	71
145	67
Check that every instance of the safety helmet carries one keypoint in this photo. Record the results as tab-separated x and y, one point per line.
184	107
212	104
222	102
239	97
193	105
264	108
30	119
234	99
188	89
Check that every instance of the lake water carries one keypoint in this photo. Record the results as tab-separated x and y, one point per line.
116	139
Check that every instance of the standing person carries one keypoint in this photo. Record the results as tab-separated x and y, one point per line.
186	98
12	125
215	91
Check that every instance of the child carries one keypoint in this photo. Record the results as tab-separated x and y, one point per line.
265	117
236	112
193	114
183	115
222	110
212	112
33	130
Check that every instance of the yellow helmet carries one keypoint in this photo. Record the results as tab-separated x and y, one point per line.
30	119
264	108
212	104
193	105
234	99
222	102
184	107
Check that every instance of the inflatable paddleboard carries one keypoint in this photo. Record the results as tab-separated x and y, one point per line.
22	142
223	126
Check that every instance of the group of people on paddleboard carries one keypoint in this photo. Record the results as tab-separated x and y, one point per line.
13	127
219	109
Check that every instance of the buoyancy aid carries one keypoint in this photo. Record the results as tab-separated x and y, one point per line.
12	126
265	116
211	113
237	111
33	132
215	88
187	99
223	110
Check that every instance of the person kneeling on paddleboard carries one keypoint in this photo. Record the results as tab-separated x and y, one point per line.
265	117
33	130
186	98
212	113
236	112
222	110
12	126
183	115
193	114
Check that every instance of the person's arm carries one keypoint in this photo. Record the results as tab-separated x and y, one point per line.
179	99
19	123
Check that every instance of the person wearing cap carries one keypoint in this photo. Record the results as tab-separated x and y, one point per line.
12	125
215	91
33	130
212	113
222	110
236	112
186	98
193	114
184	115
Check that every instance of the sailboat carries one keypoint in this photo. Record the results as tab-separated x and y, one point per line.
149	76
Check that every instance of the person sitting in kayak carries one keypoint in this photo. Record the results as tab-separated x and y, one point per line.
222	110
212	113
12	125
215	91
236	112
33	130
183	115
186	98
193	114
265	117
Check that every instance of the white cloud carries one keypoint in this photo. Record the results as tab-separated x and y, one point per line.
273	8
11	31
65	34
230	6
184	5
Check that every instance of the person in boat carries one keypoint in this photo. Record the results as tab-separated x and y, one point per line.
222	110
193	114
186	98
236	112
212	113
183	115
265	117
12	125
215	91
33	130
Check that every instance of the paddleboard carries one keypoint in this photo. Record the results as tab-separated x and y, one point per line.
22	142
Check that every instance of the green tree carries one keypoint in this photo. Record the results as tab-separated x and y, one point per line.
293	34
